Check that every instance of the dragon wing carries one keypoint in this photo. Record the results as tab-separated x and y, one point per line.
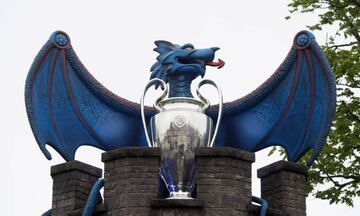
292	109
67	107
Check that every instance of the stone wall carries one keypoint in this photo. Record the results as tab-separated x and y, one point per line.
72	182
283	186
131	180
132	185
224	180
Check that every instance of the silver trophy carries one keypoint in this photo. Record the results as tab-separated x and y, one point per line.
180	126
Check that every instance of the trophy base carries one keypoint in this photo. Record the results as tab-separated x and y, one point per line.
180	195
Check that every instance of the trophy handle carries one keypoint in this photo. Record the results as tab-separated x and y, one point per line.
207	104
163	95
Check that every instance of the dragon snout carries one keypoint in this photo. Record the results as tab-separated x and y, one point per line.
219	64
206	56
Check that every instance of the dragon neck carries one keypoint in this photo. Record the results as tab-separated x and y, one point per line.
180	86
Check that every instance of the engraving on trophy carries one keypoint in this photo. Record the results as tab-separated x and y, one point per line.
179	121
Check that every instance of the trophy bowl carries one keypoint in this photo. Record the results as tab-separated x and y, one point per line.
177	130
180	126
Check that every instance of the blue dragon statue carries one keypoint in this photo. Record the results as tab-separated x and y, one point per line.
67	107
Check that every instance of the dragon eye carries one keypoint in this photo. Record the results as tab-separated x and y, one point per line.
188	47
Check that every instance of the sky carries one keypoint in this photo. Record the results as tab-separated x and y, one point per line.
114	40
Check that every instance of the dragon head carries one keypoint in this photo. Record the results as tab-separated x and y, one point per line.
175	60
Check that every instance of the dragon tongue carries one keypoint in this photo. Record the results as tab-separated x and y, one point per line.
219	64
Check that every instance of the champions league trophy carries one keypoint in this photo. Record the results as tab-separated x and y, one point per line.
178	128
181	124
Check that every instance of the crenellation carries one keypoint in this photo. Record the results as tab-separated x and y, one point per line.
72	182
132	185
283	186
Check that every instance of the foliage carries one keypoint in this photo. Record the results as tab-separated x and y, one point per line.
335	176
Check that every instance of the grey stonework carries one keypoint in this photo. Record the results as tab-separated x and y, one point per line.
223	185
283	186
131	180
173	207
72	182
224	180
255	209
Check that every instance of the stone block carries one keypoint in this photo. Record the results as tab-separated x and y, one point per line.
131	180
72	182
283	186
224	180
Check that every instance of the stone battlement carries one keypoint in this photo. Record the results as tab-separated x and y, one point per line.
132	185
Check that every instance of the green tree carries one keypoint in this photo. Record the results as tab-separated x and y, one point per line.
335	176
